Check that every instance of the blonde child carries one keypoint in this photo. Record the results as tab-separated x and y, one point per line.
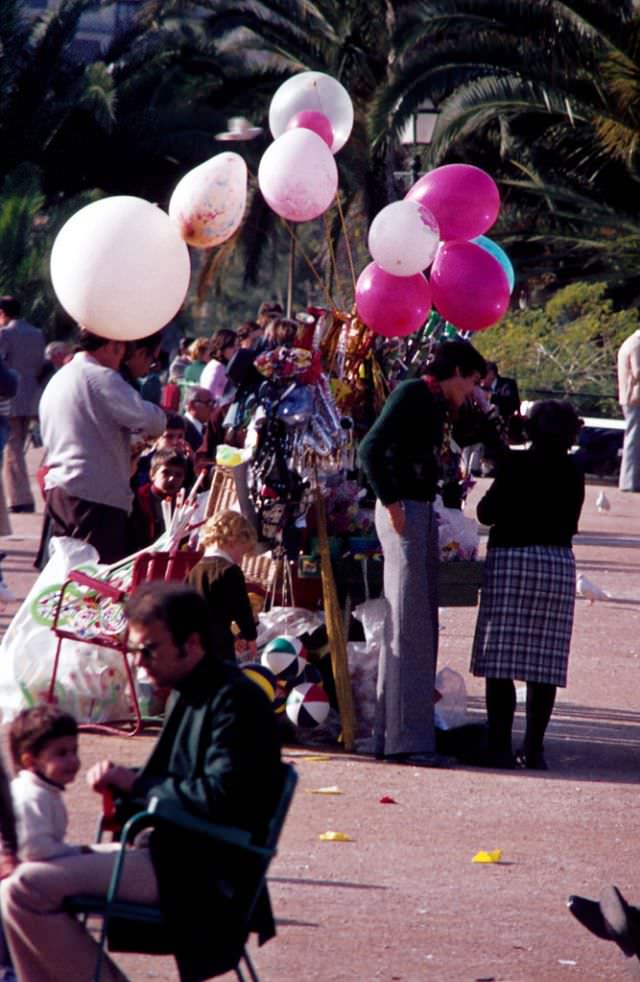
226	537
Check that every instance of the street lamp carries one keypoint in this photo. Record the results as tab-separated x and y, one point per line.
418	131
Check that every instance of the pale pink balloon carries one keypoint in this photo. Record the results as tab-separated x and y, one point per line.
469	287
317	122
393	306
464	199
298	175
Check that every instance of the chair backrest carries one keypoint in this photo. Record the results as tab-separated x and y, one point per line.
163	566
289	781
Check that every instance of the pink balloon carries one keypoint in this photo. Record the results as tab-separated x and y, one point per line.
309	119
469	287
464	199
393	306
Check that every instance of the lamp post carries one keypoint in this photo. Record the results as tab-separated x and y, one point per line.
418	131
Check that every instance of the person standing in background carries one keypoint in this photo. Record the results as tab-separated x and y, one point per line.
214	376
22	347
629	399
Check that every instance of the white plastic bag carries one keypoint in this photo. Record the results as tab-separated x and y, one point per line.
458	536
91	680
292	621
451	709
363	663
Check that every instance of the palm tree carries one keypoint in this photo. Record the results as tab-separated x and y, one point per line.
546	96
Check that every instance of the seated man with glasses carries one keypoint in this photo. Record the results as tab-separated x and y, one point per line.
217	757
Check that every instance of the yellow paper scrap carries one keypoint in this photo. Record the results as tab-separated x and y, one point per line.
494	856
335	837
320	758
334	789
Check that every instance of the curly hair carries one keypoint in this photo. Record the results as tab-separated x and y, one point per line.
199	348
226	527
553	423
34	728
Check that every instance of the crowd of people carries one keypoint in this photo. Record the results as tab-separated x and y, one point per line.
123	433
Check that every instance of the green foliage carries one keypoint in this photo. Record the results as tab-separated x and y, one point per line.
567	348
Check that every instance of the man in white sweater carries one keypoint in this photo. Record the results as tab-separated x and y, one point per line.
88	414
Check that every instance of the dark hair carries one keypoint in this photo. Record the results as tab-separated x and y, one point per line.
182	611
221	340
150	344
90	342
246	330
450	355
34	728
169	457
281	331
492	366
10	306
175	422
553	424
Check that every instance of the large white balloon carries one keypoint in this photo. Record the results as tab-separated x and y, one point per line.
120	268
403	238
208	203
318	92
298	175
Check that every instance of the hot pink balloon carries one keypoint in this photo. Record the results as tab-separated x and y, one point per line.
309	119
464	199
393	306
469	287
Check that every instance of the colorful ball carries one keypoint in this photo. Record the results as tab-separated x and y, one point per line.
307	705
263	677
285	657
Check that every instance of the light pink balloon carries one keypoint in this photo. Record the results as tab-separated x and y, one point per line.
298	175
393	306
464	199
317	122
469	287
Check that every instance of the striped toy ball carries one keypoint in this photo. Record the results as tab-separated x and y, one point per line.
263	677
307	705
285	657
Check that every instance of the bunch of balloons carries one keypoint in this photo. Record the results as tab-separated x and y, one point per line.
440	223
310	117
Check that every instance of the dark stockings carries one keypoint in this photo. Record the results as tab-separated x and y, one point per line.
501	707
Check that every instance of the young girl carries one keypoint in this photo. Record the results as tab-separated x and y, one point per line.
528	594
226	538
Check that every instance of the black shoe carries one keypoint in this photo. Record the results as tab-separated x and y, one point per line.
532	761
421	760
497	760
588	913
22	509
621	919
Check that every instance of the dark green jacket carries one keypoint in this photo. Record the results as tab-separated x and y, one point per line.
218	756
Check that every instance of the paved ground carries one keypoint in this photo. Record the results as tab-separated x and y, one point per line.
403	901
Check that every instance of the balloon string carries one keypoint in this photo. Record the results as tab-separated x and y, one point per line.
333	263
346	241
303	254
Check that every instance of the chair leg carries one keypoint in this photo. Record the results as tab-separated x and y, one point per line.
54	671
253	975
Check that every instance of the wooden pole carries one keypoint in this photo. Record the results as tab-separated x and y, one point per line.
335	629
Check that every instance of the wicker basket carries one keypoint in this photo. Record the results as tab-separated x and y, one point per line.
459	582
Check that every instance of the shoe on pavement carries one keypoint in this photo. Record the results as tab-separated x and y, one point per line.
421	760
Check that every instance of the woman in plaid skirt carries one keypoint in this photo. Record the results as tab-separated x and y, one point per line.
528	592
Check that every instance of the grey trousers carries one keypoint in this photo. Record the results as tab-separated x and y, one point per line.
49	945
16	478
630	465
406	673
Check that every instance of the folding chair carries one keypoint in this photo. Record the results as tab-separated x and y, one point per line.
104	624
110	908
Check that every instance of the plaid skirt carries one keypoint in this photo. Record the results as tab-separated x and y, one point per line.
526	614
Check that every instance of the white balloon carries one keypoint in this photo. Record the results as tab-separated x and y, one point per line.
403	238
298	175
316	91
208	203
120	268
